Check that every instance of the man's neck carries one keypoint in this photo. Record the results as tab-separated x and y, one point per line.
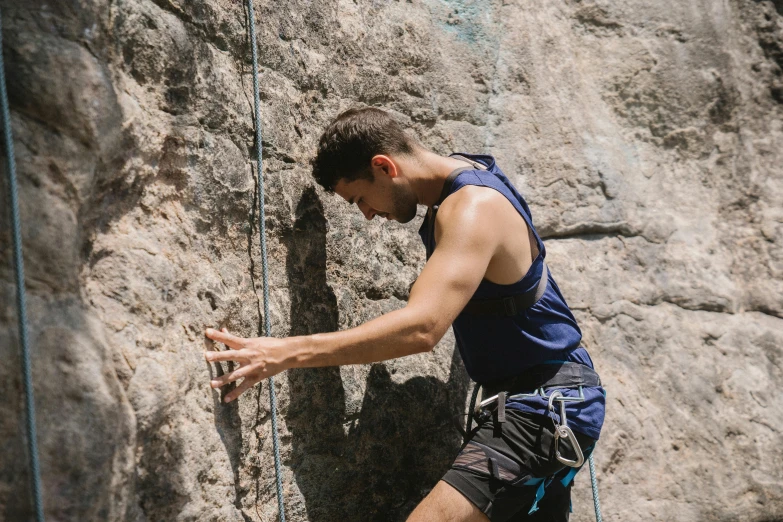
427	174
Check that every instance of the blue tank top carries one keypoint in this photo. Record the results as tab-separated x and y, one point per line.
498	347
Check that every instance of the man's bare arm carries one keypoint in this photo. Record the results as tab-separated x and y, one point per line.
469	233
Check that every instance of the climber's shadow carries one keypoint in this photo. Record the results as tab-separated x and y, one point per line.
377	465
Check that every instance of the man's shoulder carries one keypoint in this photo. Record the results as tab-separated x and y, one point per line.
472	207
471	198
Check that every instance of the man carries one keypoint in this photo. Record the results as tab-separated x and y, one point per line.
486	275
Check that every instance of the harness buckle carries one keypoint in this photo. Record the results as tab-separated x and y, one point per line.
510	305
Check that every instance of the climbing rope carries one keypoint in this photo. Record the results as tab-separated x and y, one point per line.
264	267
594	484
32	438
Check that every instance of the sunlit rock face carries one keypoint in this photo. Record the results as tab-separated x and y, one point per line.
646	136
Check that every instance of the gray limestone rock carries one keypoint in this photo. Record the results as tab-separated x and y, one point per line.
646	136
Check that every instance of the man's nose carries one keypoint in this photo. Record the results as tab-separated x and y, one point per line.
367	210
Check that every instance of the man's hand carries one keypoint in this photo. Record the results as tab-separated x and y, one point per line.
258	359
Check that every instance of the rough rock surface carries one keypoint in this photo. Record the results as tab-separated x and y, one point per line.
647	137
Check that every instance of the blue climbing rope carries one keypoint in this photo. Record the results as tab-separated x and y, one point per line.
594	484
264	267
21	304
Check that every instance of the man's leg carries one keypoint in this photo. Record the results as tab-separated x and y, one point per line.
444	503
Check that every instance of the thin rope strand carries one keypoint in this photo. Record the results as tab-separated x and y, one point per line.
264	267
594	484
21	302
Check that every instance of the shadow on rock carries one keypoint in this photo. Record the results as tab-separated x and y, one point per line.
228	424
378	464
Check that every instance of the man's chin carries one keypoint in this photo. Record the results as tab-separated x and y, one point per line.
406	219
404	212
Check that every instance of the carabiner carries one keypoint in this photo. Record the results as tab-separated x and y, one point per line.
563	431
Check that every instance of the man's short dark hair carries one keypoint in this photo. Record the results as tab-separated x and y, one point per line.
350	142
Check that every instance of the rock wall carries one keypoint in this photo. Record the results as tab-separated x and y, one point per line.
647	137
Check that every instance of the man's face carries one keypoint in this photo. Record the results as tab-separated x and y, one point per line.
385	196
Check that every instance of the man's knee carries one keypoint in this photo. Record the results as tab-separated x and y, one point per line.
444	503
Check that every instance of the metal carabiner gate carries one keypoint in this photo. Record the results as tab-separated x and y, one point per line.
563	431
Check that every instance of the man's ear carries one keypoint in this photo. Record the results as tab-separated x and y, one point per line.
384	164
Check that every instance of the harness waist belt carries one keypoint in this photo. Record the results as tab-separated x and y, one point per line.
562	375
511	305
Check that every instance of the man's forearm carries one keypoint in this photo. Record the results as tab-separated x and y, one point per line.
389	336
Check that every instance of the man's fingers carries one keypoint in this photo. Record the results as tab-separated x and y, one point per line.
222	380
239	355
224	337
239	390
225	355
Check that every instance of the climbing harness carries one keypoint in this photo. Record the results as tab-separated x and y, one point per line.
551	374
264	267
561	374
21	304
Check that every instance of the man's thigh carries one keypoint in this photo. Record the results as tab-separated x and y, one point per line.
444	503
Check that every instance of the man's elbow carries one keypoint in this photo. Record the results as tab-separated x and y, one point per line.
427	334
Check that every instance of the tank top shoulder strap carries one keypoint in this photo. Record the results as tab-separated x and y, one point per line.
476	165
